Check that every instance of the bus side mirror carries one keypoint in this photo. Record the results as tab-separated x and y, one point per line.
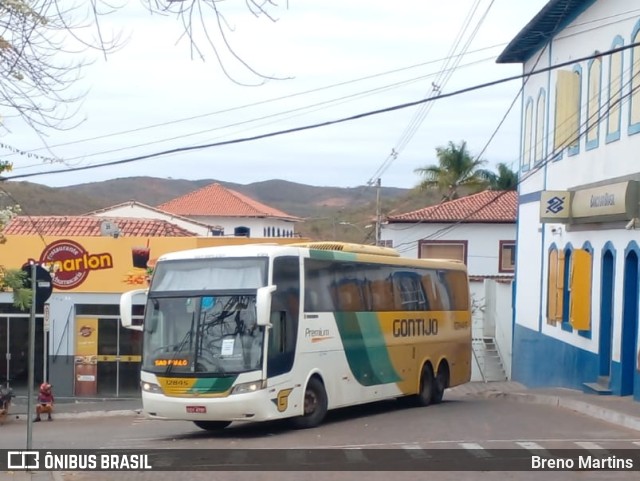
263	305
126	303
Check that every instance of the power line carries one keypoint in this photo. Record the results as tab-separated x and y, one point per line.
261	102
326	123
329	103
598	115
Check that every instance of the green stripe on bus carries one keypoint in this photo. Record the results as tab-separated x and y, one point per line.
210	385
365	348
332	255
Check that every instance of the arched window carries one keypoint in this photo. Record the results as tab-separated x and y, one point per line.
593	102
575	118
614	96
539	150
634	107
525	164
242	231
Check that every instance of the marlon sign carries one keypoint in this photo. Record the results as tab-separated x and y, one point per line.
70	263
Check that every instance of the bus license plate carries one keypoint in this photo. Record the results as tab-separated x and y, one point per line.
196	409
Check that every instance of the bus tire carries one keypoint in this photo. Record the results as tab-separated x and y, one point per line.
441	382
425	394
314	405
212	425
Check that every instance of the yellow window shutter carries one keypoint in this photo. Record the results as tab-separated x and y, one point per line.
559	286
573	110
552	287
580	306
563	98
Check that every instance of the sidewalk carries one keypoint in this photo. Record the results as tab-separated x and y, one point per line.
621	411
84	407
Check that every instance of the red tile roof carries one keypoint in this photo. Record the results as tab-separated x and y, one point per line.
90	226
485	207
216	200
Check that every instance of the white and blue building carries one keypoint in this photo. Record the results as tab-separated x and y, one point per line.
578	245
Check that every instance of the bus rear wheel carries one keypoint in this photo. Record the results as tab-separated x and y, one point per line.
425	394
441	382
212	425
315	405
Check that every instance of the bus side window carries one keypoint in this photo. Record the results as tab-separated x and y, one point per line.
457	286
410	294
348	296
381	295
429	282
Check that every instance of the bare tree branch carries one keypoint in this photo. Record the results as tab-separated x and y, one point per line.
43	45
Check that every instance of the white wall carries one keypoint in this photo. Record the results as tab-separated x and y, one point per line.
257	225
587	34
483	241
137	212
503	323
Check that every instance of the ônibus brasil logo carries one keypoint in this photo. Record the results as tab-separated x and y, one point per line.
70	263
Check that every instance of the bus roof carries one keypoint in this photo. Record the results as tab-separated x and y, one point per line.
363	253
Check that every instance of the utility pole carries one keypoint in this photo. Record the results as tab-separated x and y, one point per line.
378	218
32	357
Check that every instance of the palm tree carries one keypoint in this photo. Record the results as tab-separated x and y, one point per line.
456	168
506	179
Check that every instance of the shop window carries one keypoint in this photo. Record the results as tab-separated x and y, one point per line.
456	250
507	256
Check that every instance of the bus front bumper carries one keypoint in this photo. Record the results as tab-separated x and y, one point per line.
255	406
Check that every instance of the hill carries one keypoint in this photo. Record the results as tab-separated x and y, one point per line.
328	210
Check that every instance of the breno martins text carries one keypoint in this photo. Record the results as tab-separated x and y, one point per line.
581	462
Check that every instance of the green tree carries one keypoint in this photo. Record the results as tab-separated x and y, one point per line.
505	179
456	168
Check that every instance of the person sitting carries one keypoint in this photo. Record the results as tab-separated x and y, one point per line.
45	402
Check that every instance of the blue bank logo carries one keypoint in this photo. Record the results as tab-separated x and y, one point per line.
555	205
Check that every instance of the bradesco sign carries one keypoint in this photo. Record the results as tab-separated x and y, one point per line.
70	263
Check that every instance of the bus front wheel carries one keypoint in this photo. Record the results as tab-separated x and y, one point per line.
212	425
315	405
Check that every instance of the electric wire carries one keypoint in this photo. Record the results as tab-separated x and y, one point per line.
325	123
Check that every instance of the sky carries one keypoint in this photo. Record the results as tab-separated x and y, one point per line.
326	59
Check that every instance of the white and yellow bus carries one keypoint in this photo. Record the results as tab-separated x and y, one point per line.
263	332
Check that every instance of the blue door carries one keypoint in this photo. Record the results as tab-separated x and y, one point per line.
629	324
606	314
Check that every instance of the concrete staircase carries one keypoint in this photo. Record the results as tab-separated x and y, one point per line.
488	359
600	387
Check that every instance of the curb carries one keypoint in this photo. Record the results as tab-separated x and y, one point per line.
604	414
86	414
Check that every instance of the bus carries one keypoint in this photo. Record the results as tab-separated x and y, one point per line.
265	332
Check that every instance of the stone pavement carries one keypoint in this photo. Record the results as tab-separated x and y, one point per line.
621	411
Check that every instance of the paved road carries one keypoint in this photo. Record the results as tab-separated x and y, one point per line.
460	422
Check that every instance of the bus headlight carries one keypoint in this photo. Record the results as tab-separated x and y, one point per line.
150	387
246	387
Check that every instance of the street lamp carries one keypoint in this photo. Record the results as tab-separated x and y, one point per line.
355	226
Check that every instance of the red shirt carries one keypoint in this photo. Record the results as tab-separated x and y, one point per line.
45	397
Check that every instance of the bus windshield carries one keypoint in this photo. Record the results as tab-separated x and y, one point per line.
217	335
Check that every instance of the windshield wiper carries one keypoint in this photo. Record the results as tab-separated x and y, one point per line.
175	354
